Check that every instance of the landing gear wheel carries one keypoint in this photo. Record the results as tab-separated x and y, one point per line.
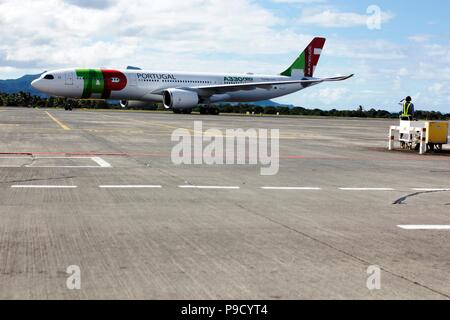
187	111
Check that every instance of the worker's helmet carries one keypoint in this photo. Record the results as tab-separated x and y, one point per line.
408	99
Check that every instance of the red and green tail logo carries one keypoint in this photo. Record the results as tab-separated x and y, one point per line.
101	82
306	63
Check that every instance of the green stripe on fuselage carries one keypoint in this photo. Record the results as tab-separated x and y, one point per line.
93	82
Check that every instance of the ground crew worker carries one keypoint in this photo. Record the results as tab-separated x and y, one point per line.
408	109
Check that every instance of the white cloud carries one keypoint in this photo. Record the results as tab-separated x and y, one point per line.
328	96
403	72
217	36
372	49
420	38
438	52
65	34
97	4
299	1
336	19
8	70
436	88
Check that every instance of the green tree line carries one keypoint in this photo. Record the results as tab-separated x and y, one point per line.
24	99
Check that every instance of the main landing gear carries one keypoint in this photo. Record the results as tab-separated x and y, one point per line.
203	110
183	111
209	110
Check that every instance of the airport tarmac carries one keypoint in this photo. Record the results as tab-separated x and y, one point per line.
99	190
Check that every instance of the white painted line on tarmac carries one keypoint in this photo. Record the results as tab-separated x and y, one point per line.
130	186
424	227
67	167
15	157
102	163
42	187
61	157
209	187
291	188
429	189
9	167
367	189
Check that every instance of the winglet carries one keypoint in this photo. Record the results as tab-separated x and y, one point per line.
338	78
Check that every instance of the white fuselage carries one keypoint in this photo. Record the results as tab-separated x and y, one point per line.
144	85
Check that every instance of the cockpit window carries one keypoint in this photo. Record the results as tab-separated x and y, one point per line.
49	77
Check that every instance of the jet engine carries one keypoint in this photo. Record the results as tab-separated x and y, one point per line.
179	100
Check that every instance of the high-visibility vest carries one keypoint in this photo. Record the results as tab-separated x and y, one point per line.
406	109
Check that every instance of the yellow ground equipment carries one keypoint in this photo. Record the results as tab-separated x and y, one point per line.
420	135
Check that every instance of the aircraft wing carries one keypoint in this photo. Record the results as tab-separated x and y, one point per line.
206	91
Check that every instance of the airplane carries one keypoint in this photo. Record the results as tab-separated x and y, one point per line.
181	92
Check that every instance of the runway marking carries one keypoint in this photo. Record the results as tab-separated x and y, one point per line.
102	163
291	188
429	189
63	167
367	189
424	227
42	187
130	186
209	187
62	125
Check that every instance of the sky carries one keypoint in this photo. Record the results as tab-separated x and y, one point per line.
394	48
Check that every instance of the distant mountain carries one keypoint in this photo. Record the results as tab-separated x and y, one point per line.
21	84
265	103
270	103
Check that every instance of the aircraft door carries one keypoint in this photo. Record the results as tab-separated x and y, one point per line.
132	79
69	79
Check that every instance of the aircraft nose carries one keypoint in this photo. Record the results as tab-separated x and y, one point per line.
37	84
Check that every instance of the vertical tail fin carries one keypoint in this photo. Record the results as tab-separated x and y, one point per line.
306	63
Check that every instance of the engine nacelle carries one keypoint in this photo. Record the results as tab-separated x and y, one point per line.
179	99
136	104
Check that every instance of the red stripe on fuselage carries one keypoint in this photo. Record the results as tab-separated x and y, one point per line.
114	81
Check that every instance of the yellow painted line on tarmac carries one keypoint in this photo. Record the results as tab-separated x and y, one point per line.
62	125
